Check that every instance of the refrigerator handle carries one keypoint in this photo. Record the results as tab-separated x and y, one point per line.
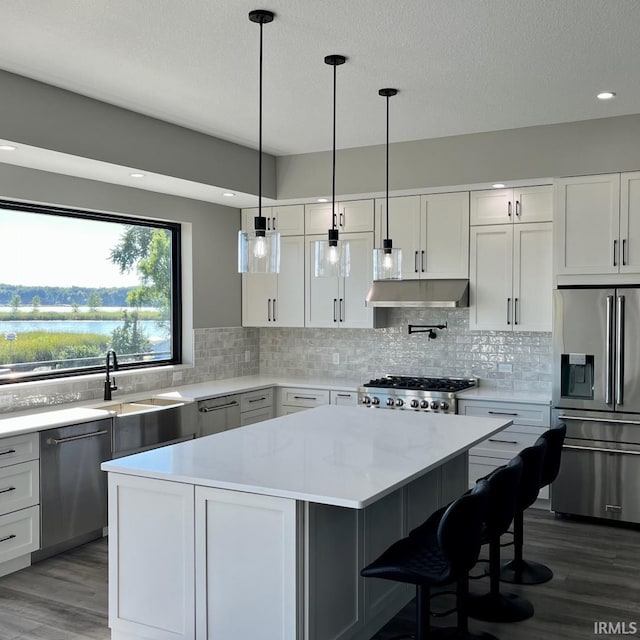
607	354
620	351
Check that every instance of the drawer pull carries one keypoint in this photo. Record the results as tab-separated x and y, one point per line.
343	395
7	452
614	508
9	537
501	413
7	490
305	398
503	441
258	399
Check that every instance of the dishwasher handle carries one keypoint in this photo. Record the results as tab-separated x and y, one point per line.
82	436
220	406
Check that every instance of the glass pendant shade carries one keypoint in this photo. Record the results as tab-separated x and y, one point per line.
387	262
332	258
258	253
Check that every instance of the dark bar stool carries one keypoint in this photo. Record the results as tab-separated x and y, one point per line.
494	606
438	555
519	570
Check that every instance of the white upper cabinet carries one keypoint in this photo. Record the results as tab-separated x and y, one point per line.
276	300
511	277
286	219
597	234
431	230
351	217
505	206
340	302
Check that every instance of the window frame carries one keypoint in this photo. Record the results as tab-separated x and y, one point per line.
174	228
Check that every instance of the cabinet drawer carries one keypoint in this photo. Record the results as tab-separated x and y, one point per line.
257	415
303	397
344	398
504	445
20	448
19	486
256	400
534	415
19	533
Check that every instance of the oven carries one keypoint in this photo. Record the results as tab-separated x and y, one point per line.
413	393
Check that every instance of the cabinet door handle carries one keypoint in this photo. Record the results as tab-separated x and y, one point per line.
508	310
615	251
342	219
268	223
501	413
273	224
82	436
624	252
334	219
422	256
7	489
515	311
335	310
9	537
269	310
509	208
415	262
7	452
341	309
503	441
518	208
273	309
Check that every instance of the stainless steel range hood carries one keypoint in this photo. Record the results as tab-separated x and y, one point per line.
419	293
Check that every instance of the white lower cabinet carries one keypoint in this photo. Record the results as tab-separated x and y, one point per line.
292	399
344	398
530	421
256	406
19	501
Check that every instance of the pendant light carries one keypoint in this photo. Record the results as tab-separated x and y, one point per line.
332	256
387	261
259	250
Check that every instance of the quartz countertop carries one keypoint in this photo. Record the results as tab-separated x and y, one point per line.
343	456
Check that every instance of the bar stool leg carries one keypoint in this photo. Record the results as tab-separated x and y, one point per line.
519	570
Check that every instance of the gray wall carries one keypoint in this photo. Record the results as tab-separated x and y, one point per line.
575	148
43	116
216	284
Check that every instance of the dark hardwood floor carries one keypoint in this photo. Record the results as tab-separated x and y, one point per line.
596	567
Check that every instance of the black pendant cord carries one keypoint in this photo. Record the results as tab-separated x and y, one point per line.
387	166
333	160
260	132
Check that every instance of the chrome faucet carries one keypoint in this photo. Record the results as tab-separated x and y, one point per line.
110	385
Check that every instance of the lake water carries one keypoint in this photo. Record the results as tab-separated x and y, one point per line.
104	327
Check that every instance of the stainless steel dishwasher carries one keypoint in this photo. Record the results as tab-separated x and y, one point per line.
73	489
218	414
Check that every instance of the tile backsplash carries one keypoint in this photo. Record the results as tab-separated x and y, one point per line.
309	353
370	353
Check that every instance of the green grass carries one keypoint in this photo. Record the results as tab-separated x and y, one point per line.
38	346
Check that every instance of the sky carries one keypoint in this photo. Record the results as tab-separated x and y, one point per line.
46	250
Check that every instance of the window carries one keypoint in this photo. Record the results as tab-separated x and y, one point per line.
74	284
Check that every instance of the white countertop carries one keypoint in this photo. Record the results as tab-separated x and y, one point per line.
343	456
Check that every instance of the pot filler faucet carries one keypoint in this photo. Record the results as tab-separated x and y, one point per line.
110	385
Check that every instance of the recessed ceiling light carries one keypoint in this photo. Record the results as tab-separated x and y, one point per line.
606	95
228	194
498	185
7	147
323	199
136	175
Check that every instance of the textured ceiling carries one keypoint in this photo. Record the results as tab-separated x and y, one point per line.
461	66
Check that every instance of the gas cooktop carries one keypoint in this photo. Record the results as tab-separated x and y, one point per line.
420	383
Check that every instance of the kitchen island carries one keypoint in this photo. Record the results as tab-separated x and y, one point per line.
260	532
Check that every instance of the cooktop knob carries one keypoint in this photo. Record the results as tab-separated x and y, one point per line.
444	405
366	400
399	402
375	400
390	402
414	404
424	404
434	405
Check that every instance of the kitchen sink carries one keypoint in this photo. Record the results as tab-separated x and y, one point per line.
148	423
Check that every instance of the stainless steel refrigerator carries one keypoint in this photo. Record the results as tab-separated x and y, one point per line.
596	393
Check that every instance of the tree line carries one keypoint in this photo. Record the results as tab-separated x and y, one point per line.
69	296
